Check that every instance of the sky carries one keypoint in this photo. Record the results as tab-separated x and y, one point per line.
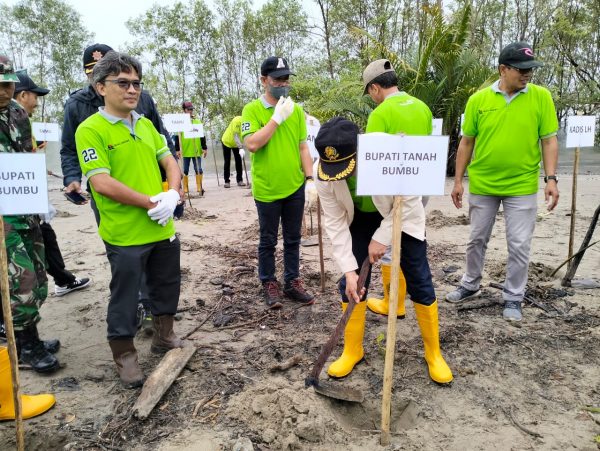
106	18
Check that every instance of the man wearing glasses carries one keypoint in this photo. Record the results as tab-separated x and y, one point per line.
502	131
274	132
120	152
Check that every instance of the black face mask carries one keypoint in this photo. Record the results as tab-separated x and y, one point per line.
278	91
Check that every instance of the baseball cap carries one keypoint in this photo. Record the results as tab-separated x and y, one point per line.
7	71
519	55
336	143
93	54
374	70
275	66
187	105
25	83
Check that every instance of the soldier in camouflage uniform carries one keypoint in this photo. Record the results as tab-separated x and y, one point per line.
28	284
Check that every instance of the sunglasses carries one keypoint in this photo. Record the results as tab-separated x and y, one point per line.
522	71
125	84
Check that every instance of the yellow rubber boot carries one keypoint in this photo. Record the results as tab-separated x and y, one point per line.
353	342
199	187
31	405
382	306
165	186
186	184
427	317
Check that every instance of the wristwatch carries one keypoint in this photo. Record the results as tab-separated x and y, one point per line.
310	177
550	177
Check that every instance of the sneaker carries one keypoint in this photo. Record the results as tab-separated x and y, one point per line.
241	184
461	294
77	284
512	311
147	323
296	292
227	185
272	294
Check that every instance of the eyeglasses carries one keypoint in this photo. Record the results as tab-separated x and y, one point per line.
522	71
125	84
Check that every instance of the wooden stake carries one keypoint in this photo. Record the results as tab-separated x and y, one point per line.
161	379
217	169
390	346
321	261
573	203
10	337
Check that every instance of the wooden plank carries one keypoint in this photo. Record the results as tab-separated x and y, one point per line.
161	379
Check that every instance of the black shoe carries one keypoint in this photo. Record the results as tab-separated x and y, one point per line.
32	351
52	346
296	292
77	284
272	294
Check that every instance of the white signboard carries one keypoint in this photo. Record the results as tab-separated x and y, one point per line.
437	127
581	131
23	184
312	128
196	131
176	123
401	165
45	131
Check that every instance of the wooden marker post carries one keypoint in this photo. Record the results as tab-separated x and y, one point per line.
573	203
320	233
10	337
216	168
390	345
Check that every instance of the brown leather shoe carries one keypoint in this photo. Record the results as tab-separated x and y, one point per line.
125	357
164	338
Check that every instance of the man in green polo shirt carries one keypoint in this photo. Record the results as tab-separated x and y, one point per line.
274	132
503	128
120	152
231	142
399	113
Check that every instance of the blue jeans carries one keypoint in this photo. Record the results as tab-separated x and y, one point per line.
289	211
197	165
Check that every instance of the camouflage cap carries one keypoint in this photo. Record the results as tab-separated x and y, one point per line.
7	71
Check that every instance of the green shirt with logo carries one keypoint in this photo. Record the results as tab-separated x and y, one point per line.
401	113
507	155
191	147
234	128
111	148
276	167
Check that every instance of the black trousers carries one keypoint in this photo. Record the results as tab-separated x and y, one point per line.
159	262
227	163
362	229
54	258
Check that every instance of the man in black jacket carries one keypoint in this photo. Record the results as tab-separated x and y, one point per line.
80	105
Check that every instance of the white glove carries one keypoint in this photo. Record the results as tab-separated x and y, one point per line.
167	202
50	215
242	153
283	109
310	193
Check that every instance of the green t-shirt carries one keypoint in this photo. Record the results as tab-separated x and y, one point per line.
110	148
191	147
401	113
234	128
362	203
276	167
506	158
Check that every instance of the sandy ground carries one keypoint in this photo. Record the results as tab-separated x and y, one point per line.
518	386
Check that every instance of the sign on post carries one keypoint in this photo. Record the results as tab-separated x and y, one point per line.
437	125
23	184
312	128
195	131
581	131
401	165
176	123
45	131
